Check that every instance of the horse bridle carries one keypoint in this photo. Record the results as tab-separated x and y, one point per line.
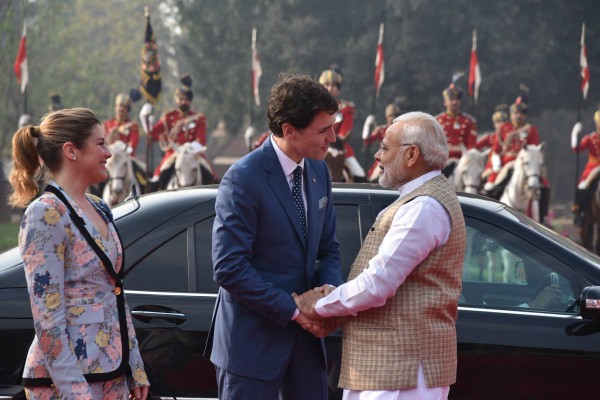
194	183
525	186
117	178
462	180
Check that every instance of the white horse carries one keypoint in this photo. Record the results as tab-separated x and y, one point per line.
523	190
467	173
121	175
188	165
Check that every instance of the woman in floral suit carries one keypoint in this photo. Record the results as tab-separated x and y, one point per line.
85	345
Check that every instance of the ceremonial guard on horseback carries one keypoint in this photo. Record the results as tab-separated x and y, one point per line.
122	137
121	127
344	122
460	127
177	127
376	135
511	140
587	184
486	140
508	141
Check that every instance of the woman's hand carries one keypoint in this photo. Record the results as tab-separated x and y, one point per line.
139	393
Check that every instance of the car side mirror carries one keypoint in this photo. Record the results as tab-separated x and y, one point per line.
589	303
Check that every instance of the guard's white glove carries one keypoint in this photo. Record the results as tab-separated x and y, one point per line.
523	135
146	117
575	134
369	122
496	162
248	135
129	150
197	147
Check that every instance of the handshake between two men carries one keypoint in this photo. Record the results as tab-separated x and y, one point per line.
309	319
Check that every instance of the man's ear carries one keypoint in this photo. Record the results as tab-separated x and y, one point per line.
414	153
287	129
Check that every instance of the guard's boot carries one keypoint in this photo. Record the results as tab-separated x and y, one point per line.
578	206
577	216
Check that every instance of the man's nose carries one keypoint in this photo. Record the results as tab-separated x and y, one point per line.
331	135
376	156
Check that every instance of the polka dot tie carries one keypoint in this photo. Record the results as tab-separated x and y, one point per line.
297	194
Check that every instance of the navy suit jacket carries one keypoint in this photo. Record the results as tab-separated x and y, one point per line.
260	257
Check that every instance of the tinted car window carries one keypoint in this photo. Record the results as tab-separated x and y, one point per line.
348	234
203	231
503	271
164	270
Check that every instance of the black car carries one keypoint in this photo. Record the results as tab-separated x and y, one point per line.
511	345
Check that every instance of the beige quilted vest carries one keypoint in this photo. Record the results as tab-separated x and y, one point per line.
383	347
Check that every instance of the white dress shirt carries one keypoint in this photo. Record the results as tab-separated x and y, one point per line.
288	165
418	227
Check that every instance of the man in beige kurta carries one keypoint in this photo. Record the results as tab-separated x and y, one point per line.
402	293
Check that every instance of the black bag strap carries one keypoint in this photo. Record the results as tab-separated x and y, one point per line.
118	291
80	223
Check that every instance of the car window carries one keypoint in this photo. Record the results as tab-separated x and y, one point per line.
503	271
348	234
164	269
204	267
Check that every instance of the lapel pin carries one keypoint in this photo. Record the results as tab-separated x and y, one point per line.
314	180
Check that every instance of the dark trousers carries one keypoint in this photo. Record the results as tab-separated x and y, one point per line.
305	377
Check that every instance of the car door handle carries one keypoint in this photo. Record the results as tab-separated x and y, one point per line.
151	313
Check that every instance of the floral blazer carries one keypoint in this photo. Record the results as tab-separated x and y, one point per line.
72	300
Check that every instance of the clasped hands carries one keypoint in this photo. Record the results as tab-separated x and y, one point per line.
308	318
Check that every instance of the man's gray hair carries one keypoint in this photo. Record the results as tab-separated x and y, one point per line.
426	132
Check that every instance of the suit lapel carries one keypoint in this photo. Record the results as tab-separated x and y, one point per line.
310	185
280	186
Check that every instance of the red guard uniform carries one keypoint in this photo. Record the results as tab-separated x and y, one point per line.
375	137
128	132
343	128
510	143
193	131
460	129
485	141
591	143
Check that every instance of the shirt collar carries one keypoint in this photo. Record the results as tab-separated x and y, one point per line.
287	163
415	183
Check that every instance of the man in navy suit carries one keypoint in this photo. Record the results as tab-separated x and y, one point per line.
266	247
